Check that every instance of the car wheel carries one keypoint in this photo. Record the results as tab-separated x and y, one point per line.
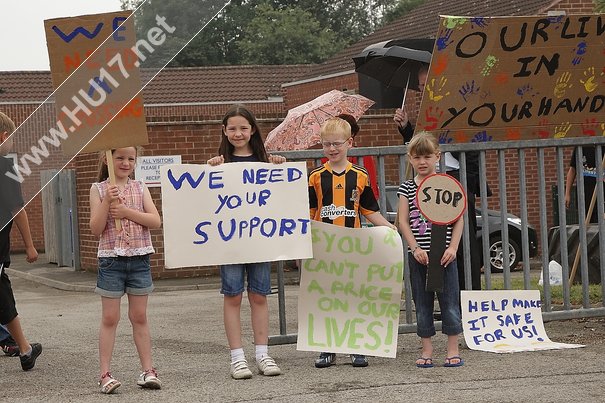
496	256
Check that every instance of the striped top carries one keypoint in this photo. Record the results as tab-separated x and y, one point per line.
421	227
134	239
340	198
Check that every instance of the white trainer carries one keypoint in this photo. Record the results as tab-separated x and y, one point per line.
240	370
268	367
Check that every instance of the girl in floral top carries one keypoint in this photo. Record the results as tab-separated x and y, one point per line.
423	151
123	260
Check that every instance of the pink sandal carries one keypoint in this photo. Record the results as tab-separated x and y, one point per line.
108	384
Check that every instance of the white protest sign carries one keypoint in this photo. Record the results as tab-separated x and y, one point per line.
505	322
148	168
350	291
241	212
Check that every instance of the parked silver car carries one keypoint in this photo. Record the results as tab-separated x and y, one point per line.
496	251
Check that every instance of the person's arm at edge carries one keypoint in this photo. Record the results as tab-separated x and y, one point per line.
22	223
450	253
571	176
406	132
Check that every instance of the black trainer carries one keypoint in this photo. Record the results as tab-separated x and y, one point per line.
10	347
28	361
325	360
359	360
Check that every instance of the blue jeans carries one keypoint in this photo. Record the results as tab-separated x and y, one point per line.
449	300
259	278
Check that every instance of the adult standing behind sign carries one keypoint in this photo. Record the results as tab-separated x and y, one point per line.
338	193
424	154
241	141
401	117
589	166
452	167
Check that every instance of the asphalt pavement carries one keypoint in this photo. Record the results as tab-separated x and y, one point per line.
58	308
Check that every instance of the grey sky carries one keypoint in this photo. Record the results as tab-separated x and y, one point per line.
23	43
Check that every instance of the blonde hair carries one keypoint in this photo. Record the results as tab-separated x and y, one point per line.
423	143
6	124
335	125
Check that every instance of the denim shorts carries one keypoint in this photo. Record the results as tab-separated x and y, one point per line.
259	278
124	274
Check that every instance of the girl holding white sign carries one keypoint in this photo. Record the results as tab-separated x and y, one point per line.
123	260
241	141
424	154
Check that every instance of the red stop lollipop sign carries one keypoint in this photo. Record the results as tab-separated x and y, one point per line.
441	199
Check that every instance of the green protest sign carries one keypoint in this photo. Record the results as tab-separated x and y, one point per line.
350	291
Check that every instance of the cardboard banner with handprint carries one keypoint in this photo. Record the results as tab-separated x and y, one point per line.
513	78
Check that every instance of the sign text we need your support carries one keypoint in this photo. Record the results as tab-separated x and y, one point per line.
235	213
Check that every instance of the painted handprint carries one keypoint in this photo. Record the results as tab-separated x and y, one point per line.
481	137
479	22
590	127
513	133
542	129
468	89
435	89
579	50
454	22
444	137
440	64
562	130
589	82
562	84
490	63
525	89
445	40
432	118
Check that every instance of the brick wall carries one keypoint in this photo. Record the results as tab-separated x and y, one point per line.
574	6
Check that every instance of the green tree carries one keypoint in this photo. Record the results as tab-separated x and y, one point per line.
400	9
599	6
285	36
232	37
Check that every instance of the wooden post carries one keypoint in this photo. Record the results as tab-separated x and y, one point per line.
112	180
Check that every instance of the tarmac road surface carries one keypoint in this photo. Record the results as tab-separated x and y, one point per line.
191	354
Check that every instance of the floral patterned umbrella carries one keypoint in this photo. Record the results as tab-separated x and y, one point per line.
300	128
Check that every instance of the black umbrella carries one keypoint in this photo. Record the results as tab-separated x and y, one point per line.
395	63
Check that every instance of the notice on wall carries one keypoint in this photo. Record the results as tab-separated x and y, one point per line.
148	168
242	212
514	78
505	322
97	53
350	291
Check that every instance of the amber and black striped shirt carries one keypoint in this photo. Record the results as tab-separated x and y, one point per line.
340	198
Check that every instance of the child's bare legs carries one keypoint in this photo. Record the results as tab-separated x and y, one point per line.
137	313
452	348
231	318
260	317
15	330
110	317
427	349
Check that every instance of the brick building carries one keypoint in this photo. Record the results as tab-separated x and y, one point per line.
184	106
